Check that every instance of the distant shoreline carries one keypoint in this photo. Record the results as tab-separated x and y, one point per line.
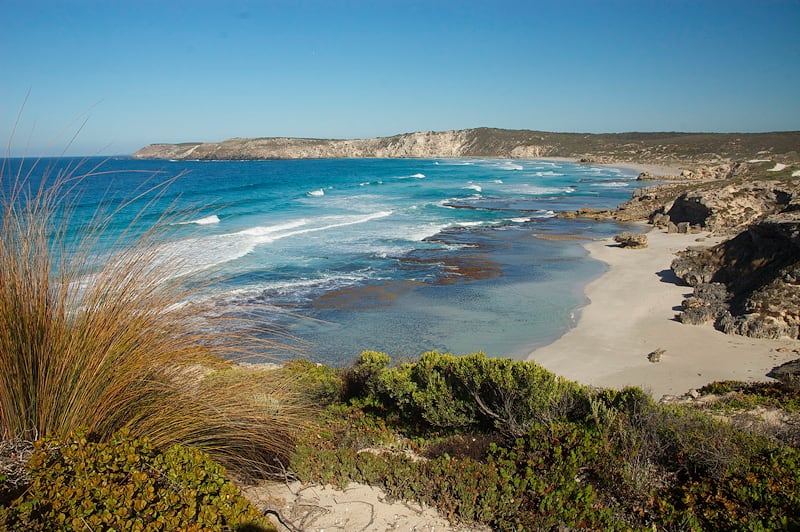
631	313
658	148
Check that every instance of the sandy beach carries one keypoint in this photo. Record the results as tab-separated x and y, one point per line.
631	312
655	169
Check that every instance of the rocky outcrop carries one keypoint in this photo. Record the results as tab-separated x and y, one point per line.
646	202
708	302
749	284
626	239
730	208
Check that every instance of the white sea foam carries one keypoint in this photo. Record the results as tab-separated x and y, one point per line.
610	184
199	254
208	220
547	173
536	190
298	286
471	224
272	229
316	193
476	188
498	181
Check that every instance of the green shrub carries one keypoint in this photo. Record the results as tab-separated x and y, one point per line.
587	459
322	384
125	484
443	391
361	379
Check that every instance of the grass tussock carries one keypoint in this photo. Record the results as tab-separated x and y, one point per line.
115	346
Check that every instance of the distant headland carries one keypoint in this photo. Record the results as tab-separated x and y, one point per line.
668	147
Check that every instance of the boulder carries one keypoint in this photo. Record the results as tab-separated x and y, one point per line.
627	239
655	356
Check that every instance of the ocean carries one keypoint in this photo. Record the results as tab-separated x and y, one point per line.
396	255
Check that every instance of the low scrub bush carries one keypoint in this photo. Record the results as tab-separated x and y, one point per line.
565	456
125	484
747	395
447	392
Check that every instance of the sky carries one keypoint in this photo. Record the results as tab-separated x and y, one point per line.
107	77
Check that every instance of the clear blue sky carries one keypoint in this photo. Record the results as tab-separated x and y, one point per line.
175	71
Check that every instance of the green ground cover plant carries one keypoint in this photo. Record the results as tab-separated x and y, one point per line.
125	484
507	444
740	395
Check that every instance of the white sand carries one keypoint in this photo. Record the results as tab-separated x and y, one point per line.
318	508
631	313
777	168
657	170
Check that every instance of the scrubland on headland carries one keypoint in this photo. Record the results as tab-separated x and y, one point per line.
116	410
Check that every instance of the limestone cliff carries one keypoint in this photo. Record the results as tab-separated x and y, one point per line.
711	148
463	143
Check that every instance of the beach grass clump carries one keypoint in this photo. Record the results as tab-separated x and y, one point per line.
111	344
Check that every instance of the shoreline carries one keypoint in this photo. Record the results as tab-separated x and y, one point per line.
655	169
631	312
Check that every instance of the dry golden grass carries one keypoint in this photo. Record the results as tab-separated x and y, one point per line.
113	345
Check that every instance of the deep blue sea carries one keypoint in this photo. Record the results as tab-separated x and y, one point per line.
396	255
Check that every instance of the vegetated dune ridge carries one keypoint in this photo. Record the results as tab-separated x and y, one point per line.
492	142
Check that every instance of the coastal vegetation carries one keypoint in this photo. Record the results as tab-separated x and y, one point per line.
118	409
102	359
511	445
665	147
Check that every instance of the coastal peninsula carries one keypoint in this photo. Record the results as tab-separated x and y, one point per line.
659	148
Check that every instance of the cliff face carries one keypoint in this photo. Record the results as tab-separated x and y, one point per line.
463	143
490	142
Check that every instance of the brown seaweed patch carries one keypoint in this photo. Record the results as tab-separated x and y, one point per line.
364	297
467	267
560	237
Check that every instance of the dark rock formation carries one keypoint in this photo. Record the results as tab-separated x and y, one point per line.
708	302
760	269
788	373
647	202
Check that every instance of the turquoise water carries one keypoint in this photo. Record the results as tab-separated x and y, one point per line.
399	255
